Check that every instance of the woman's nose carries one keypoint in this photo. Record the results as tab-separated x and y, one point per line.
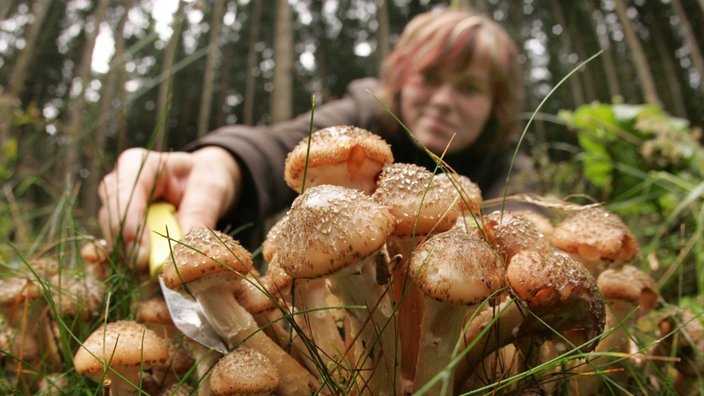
442	94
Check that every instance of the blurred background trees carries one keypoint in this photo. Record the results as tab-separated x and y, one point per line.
81	80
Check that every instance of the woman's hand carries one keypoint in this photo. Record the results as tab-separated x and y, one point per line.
203	185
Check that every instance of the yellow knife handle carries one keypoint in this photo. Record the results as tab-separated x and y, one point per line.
164	230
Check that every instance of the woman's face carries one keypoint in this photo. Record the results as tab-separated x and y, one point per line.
436	107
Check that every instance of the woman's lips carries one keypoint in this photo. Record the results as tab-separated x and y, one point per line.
438	124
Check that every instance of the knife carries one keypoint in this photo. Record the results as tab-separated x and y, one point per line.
185	310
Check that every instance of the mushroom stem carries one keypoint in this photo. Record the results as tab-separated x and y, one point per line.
372	325
456	272
317	324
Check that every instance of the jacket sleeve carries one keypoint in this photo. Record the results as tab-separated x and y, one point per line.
261	152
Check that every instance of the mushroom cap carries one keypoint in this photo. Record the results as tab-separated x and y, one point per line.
596	234
631	285
342	155
258	294
510	233
75	294
243	371
457	268
124	345
330	227
470	194
203	252
270	244
420	201
154	311
560	291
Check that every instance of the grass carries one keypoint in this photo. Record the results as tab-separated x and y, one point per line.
649	370
39	337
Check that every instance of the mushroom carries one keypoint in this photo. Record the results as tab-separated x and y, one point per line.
682	335
511	233
117	353
596	237
554	298
211	265
422	204
339	233
562	294
629	293
456	271
342	155
319	338
244	371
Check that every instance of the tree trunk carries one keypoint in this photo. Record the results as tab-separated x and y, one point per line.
251	78
575	86
690	37
163	106
282	94
383	32
6	8
640	61
18	75
607	58
206	98
75	128
96	159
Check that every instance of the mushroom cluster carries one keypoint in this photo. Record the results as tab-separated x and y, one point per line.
385	278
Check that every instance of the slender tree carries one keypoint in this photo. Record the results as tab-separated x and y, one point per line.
164	100
607	58
96	159
211	62
640	61
566	40
282	94
77	113
691	38
383	38
251	77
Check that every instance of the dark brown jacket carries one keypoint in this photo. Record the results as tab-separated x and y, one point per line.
261	152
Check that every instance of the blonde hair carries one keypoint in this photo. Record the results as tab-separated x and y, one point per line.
453	40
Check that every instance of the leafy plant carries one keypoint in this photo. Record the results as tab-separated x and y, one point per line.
648	166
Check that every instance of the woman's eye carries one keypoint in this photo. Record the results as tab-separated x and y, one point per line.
430	78
470	88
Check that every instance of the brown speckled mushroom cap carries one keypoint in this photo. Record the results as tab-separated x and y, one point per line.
270	245
510	233
596	234
457	268
202	252
560	291
330	227
343	155
258	294
124	345
470	195
243	371
420	201
631	285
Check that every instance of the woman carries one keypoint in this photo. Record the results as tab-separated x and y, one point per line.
453	79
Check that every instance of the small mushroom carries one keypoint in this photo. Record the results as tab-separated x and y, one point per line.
211	265
510	233
456	272
597	238
422	204
123	347
562	293
244	371
342	155
339	233
682	335
629	293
